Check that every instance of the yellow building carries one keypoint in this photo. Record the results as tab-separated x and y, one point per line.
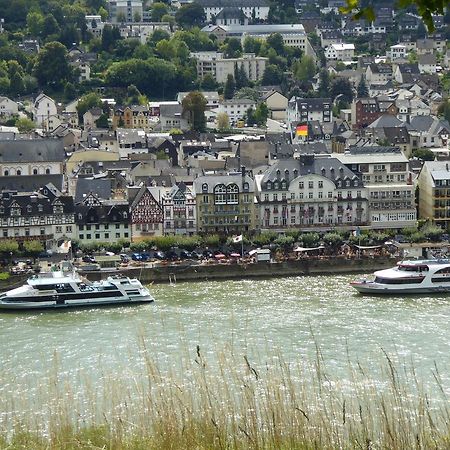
434	192
225	203
134	116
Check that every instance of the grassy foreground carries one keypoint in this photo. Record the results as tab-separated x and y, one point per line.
228	402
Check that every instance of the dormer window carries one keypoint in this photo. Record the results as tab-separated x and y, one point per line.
204	187
125	215
283	185
6	173
80	216
29	208
268	185
2	210
245	187
40	208
275	185
15	211
58	209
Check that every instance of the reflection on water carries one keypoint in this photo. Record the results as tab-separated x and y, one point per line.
253	317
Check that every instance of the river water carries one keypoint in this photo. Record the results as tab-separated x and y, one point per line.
253	317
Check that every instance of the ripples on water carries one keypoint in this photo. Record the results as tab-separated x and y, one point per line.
257	318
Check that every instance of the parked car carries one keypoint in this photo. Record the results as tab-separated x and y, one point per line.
88	259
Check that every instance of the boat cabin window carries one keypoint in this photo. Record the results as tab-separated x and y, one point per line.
64	287
418	268
85	288
445	270
415	280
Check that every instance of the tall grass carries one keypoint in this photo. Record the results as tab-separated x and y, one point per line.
229	401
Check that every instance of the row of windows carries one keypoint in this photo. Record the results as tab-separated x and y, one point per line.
12	172
97	226
106	236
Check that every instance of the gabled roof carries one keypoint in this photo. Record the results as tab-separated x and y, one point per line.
101	188
32	150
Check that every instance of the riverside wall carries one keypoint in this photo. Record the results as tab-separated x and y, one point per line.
209	272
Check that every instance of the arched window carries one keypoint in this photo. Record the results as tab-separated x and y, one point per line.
19	172
205	187
125	215
29	208
232	194
220	194
6	173
35	171
47	170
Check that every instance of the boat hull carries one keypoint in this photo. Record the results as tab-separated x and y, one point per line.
86	303
379	289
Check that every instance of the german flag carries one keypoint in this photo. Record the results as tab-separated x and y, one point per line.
301	129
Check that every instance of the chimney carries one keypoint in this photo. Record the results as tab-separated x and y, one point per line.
243	173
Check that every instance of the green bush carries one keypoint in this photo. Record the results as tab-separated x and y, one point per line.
310	240
4	276
333	239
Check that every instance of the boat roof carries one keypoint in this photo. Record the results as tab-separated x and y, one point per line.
53	278
422	262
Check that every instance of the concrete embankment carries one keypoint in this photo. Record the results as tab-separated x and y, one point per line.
310	266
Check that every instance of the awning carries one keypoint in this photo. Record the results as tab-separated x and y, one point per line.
304	249
219	256
235	255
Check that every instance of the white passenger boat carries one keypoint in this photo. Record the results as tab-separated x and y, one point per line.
409	277
67	289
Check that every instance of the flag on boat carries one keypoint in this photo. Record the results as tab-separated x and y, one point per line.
237	239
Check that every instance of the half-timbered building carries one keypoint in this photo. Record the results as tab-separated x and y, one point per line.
179	211
146	212
45	215
102	220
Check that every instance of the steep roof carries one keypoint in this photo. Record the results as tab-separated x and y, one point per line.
33	150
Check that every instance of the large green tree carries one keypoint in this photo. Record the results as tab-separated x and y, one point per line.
190	15
194	104
52	68
230	87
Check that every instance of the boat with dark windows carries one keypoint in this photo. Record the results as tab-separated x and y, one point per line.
409	277
64	289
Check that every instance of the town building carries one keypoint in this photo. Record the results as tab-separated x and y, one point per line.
219	68
44	109
340	52
225	203
293	35
434	193
45	215
102	220
304	110
390	190
146	211
134	116
311	192
252	9
95	24
125	10
179	206
236	108
8	107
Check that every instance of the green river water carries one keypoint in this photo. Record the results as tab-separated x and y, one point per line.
254	317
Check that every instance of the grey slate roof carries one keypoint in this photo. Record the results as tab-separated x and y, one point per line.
99	187
33	150
24	183
331	168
